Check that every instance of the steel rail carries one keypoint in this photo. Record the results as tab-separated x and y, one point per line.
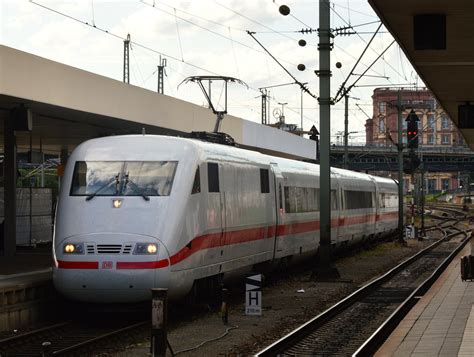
318	321
91	341
12	342
373	343
32	333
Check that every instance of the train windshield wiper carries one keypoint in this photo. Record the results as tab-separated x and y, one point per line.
135	188
115	180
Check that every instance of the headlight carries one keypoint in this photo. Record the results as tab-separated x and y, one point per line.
145	248
73	248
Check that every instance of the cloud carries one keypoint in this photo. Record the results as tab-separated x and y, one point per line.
206	28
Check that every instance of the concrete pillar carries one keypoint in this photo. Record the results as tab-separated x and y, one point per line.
64	156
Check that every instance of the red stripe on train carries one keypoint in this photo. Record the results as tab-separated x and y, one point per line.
77	265
220	239
143	265
213	240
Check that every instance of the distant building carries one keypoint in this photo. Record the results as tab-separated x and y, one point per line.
435	128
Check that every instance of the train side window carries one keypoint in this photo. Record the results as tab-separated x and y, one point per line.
281	196
358	199
301	199
333	200
197	182
264	181
382	200
213	176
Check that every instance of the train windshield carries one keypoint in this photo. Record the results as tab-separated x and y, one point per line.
123	178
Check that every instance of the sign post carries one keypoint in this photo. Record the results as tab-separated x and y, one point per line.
253	295
159	312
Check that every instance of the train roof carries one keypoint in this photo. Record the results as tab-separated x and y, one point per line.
147	147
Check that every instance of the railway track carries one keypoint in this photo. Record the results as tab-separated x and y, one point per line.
69	338
376	307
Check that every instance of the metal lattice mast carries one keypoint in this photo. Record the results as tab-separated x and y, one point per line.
264	106
161	75
126	60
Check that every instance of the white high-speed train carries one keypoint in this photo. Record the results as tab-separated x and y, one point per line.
137	212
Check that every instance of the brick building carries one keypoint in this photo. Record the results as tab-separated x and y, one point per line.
435	128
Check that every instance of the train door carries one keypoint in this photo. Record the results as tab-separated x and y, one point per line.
375	211
279	211
343	229
335	211
215	209
247	214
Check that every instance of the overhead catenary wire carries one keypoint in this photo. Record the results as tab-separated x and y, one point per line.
342	87
193	15
142	46
233	51
93	15
148	78
136	61
212	31
293	16
364	41
179	36
137	44
358	79
302	86
255	22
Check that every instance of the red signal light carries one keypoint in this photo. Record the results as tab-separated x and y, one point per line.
409	133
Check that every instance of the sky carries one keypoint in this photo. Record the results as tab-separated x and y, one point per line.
209	37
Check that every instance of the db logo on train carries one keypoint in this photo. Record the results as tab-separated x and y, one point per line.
107	265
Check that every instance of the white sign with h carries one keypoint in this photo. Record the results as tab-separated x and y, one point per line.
253	295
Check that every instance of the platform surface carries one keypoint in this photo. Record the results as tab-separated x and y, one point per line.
25	266
442	322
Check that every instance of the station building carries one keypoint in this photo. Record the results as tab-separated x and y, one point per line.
437	131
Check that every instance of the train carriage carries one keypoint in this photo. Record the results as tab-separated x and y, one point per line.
137	212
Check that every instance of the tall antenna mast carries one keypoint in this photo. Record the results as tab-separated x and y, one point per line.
126	59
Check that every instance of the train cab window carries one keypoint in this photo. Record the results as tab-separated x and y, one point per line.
98	178
196	183
213	176
123	178
264	181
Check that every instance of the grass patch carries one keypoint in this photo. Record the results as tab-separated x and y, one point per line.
379	249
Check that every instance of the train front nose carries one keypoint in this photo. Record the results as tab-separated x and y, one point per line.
121	268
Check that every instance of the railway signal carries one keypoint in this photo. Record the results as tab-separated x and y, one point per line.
412	130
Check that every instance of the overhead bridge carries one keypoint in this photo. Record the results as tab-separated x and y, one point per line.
375	158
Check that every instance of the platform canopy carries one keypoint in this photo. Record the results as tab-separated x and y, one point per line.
70	105
437	38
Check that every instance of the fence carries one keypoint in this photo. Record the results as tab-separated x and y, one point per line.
33	215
